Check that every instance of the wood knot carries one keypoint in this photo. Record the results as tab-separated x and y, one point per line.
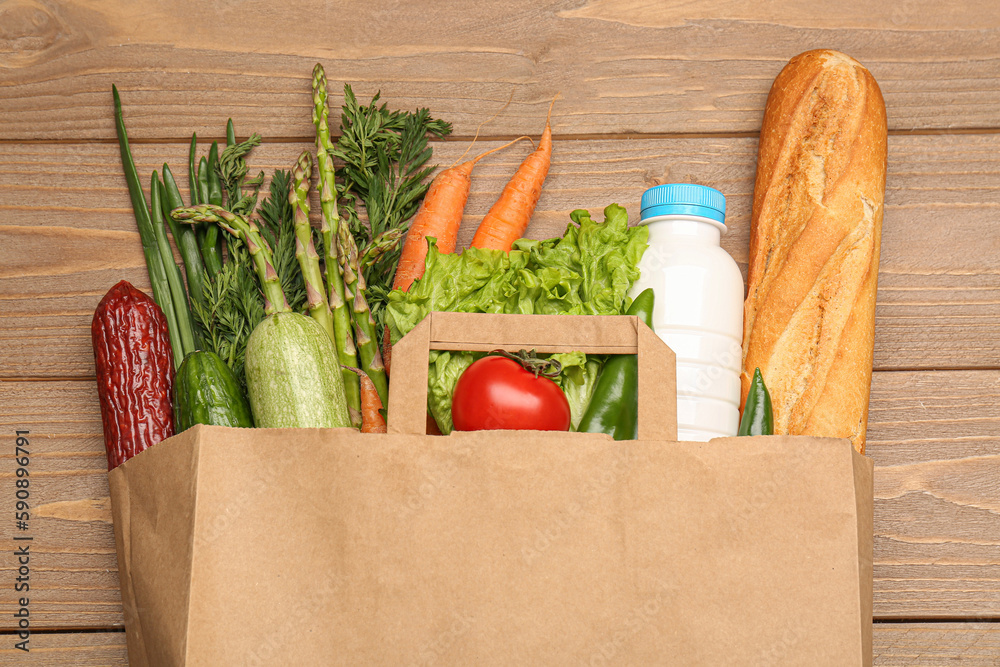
651	179
28	29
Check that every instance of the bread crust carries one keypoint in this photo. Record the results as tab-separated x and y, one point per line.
809	316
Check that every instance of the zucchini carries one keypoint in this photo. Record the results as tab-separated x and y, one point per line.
207	392
293	375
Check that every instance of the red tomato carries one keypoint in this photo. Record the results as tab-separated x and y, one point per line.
498	393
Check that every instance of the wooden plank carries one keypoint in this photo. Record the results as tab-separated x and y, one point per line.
895	645
933	437
76	649
937	644
74	571
621	66
67	233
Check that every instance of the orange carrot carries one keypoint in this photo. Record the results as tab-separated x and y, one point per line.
509	216
439	216
371	417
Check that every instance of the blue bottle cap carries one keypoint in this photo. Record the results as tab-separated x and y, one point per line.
683	199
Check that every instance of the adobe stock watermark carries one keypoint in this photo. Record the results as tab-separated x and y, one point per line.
744	507
729	360
276	642
559	525
21	565
777	652
706	368
230	513
435	651
614	645
432	483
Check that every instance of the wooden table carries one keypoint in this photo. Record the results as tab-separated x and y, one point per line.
649	93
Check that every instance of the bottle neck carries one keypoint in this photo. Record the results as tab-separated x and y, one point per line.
691	229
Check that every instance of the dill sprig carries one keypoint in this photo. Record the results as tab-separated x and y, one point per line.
233	171
278	229
384	173
233	303
232	308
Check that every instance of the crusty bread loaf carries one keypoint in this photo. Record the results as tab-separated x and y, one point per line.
809	317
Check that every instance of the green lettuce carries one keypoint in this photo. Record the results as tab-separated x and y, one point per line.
588	271
577	380
442	376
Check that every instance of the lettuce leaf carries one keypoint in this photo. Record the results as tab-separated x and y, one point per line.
577	380
442	377
588	271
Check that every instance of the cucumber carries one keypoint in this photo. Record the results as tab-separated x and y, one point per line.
207	392
293	374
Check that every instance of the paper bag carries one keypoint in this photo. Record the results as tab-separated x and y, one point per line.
330	547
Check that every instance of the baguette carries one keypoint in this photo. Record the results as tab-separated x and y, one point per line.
809	316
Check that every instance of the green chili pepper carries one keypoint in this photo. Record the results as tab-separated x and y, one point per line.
215	191
193	170
203	180
208	235
614	405
185	237
758	417
214	180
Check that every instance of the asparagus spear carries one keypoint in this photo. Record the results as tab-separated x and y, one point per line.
382	244
364	323
260	253
305	252
329	226
346	247
154	263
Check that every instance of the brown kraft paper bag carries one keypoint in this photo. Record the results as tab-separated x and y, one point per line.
331	547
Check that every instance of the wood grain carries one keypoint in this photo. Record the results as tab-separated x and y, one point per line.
937	644
648	93
933	437
75	649
934	440
67	233
74	569
621	66
895	645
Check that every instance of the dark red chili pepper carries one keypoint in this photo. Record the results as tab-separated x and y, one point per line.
135	367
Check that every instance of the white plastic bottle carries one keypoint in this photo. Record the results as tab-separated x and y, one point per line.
698	307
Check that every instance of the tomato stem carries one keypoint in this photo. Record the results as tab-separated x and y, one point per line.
549	368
